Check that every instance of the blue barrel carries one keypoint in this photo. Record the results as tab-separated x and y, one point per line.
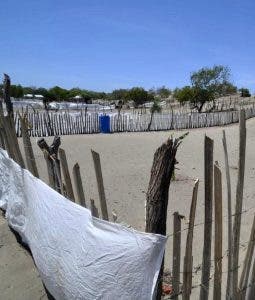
104	123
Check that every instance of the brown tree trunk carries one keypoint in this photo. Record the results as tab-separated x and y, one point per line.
157	195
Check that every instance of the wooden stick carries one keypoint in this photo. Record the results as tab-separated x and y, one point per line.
157	194
100	185
29	153
6	138
243	283
206	265
218	233
13	141
66	174
78	185
187	268
176	255
239	202
52	162
2	144
230	235
6	94
93	208
50	170
251	291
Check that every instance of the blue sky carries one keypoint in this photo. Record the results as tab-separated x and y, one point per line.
103	45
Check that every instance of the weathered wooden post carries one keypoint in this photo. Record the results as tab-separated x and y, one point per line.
66	174
158	190
6	138
251	288
6	94
28	149
78	185
217	233
176	255
239	202
188	259
2	144
12	141
93	208
243	283
52	162
208	172
230	235
100	185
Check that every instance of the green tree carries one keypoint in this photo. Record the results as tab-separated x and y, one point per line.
119	94
156	108
16	91
58	93
139	96
29	90
244	92
163	92
184	95
207	84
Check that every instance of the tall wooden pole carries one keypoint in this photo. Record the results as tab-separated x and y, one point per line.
52	161
176	255
239	203
217	233
206	265
28	149
157	195
187	267
6	92
78	185
243	283
100	184
230	234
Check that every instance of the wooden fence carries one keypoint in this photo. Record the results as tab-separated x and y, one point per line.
66	123
181	283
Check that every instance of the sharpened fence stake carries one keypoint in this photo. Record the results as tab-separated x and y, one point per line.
176	255
187	268
206	265
100	185
251	288
78	185
52	162
29	153
230	233
247	263
157	194
217	233
93	208
239	203
66	174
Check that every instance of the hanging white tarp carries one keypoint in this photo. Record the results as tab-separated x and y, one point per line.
77	256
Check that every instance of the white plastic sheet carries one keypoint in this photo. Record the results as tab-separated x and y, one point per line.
77	256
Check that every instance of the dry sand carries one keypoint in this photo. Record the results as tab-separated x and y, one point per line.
126	162
19	279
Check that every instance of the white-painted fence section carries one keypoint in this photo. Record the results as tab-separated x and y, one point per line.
66	123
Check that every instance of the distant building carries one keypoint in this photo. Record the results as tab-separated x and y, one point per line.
78	97
31	96
39	97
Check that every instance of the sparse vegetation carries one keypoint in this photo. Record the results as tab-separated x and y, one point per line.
207	84
244	92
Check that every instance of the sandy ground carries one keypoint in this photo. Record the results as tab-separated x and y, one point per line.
19	278
126	162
